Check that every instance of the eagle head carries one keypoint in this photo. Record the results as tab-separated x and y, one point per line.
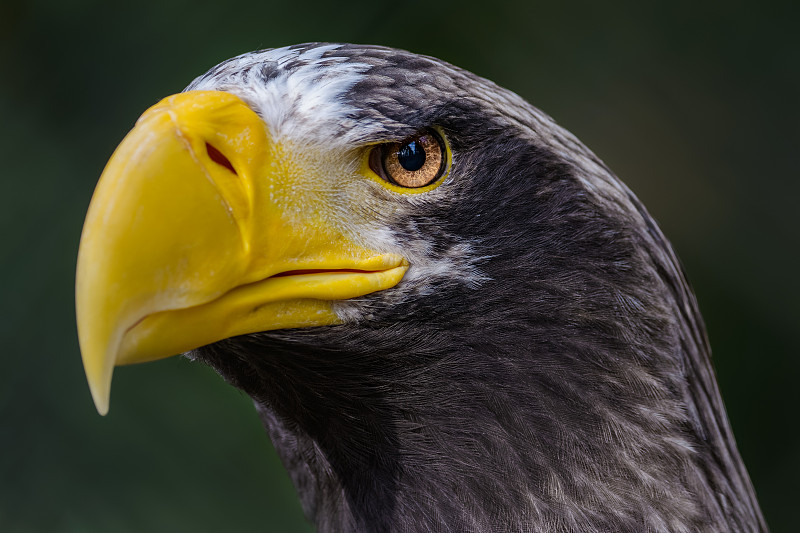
450	314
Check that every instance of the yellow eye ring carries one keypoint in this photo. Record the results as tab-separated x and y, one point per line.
413	163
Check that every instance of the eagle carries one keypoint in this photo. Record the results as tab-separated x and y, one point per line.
449	313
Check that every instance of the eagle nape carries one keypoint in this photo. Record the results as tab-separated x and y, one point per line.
450	314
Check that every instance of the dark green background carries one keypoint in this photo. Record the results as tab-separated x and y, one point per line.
695	106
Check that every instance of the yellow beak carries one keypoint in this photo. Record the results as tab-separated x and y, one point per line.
195	233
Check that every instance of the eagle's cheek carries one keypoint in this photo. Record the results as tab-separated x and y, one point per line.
195	233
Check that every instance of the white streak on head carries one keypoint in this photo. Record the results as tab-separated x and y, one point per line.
298	93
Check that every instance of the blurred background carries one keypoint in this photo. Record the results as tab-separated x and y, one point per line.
693	104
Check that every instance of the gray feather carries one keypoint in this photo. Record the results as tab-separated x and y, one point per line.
555	377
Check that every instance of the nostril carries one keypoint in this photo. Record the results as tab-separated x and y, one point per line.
218	158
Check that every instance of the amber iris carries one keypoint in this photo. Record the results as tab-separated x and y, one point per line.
415	162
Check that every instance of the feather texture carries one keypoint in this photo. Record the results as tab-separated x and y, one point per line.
543	367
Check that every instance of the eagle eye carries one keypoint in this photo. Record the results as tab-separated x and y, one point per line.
414	162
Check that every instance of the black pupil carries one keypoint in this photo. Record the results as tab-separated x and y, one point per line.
411	156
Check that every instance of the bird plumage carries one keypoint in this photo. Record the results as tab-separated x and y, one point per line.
542	367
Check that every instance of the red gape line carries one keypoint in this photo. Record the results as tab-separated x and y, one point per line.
322	271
